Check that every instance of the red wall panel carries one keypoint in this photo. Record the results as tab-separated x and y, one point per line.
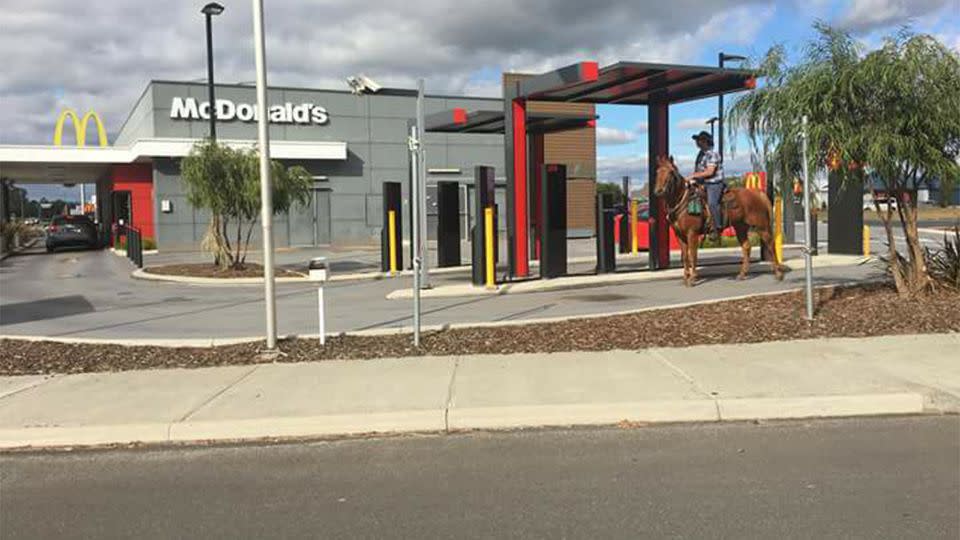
137	178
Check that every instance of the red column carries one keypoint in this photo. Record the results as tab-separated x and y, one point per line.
520	203
137	178
536	170
659	145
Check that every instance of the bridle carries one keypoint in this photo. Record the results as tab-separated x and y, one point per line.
670	191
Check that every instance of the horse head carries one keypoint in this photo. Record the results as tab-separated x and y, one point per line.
666	174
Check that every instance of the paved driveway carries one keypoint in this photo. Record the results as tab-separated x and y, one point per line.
90	294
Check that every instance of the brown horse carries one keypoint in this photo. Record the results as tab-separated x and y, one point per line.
742	209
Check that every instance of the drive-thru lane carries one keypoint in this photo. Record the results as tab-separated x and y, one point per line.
91	294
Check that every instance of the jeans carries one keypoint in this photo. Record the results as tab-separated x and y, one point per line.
714	192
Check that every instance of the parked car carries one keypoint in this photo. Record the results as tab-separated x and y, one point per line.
72	231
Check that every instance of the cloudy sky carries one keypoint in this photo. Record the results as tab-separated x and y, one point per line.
101	54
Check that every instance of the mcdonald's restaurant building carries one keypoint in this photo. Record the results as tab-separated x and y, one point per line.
350	144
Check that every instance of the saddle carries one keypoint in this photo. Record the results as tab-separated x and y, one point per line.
697	205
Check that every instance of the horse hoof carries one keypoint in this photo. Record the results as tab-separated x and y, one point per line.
778	276
741	277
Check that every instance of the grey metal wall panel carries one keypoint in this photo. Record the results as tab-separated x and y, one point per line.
388	155
392	130
373	127
393	107
139	124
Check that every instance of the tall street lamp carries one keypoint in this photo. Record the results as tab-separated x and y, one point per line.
209	11
712	122
724	57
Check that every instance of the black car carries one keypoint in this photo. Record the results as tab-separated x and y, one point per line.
72	231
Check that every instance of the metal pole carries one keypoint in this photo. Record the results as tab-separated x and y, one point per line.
415	238
720	117
424	246
266	187
807	248
213	101
323	322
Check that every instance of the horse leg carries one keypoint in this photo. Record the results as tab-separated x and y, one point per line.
692	244
684	257
743	236
767	237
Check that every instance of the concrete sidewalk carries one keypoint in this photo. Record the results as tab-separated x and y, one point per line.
838	377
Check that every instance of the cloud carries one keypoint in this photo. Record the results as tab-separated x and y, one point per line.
101	54
613	136
693	123
867	15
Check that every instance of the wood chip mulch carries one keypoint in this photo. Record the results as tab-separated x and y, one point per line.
208	270
850	312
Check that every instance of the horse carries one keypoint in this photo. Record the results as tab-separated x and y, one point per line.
742	208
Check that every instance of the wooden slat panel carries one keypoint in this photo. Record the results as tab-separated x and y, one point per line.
581	194
577	149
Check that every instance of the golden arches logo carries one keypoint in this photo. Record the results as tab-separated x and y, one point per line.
755	180
79	126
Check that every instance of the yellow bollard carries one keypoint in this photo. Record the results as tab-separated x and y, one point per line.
778	229
866	240
488	247
392	240
634	215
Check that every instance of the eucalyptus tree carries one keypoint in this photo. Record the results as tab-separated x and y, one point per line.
892	113
226	182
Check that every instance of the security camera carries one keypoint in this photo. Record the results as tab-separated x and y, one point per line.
361	84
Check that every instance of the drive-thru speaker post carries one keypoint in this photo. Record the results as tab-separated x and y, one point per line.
319	274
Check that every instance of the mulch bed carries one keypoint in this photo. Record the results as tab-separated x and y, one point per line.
848	312
208	270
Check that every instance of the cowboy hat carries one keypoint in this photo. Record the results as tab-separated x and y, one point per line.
703	135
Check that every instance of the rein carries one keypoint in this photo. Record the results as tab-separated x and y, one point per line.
675	181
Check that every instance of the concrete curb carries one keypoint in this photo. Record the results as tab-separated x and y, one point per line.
141	273
454	419
604	280
373	275
216	342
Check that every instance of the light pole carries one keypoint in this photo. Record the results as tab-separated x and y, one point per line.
712	122
361	85
723	57
266	182
808	246
209	11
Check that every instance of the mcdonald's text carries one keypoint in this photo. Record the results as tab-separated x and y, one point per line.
227	110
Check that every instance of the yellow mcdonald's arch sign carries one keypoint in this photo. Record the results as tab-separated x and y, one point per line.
80	126
755	180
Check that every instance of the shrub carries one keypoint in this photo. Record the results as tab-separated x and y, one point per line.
944	263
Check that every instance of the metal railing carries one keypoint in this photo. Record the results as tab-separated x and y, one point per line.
133	243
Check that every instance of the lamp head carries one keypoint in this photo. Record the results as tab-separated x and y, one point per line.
727	57
212	8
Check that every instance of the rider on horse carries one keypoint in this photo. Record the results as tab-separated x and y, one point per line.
708	174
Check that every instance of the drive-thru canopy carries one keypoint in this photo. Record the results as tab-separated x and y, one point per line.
625	83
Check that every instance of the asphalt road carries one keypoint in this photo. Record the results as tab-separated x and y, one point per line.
90	294
869	478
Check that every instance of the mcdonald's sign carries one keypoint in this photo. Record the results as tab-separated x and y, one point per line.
755	180
79	126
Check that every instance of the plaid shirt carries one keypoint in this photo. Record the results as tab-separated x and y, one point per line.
706	158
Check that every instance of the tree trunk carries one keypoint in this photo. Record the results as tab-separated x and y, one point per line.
238	261
893	256
919	278
246	242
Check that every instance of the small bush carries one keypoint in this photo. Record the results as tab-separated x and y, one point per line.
944	263
149	243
